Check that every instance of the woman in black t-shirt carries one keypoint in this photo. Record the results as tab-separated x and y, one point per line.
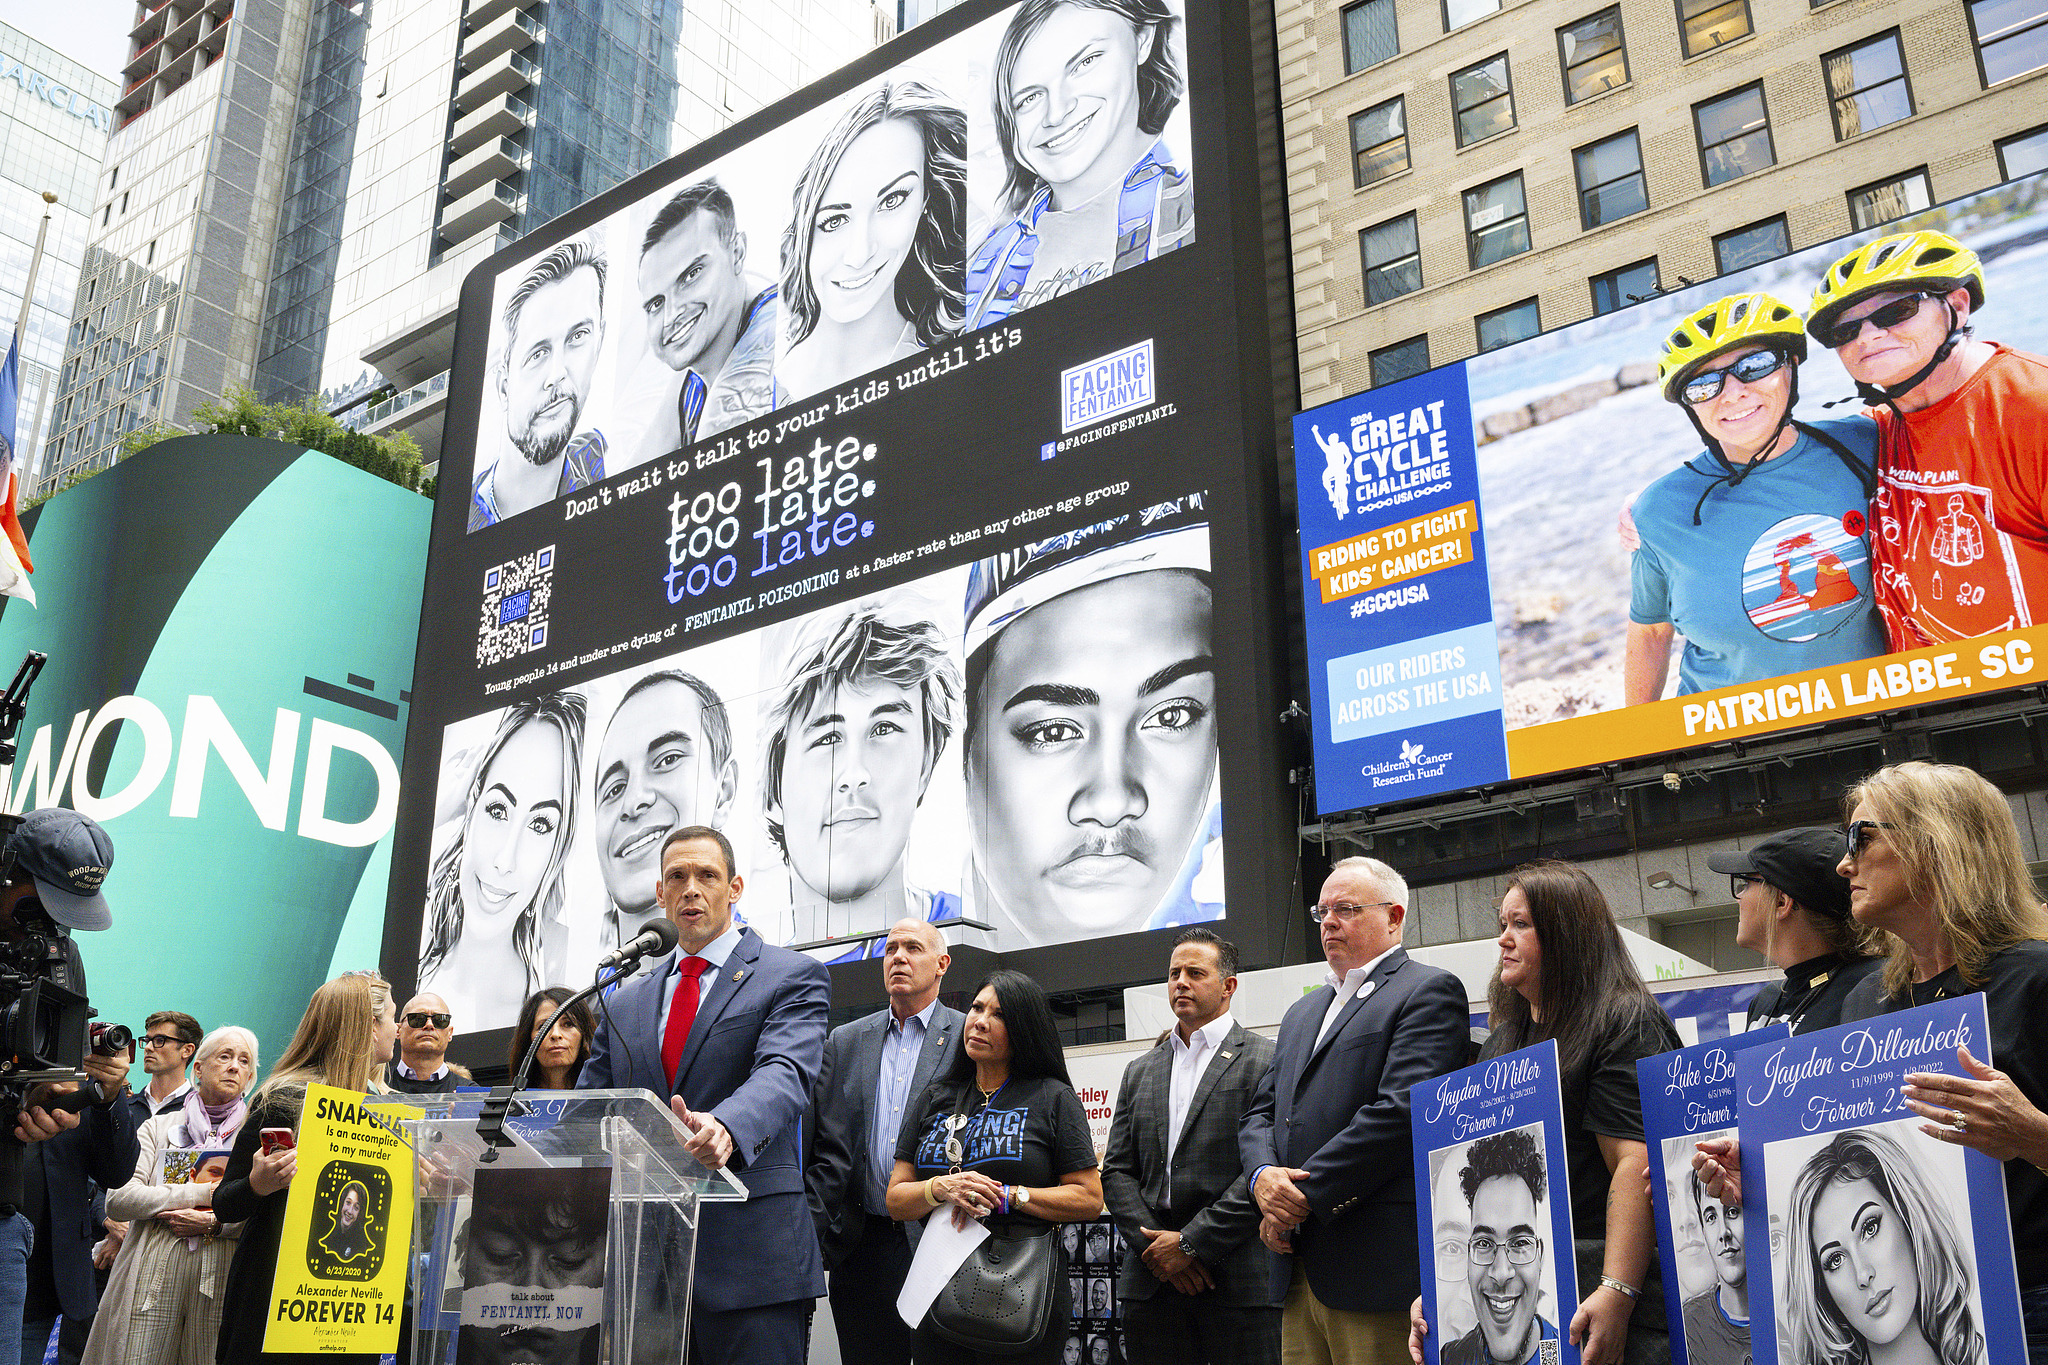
1026	1161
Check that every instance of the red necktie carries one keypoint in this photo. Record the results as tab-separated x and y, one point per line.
682	1012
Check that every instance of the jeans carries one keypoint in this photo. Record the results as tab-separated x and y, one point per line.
2034	1317
17	1238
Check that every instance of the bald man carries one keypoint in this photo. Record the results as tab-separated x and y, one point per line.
874	1067
425	1029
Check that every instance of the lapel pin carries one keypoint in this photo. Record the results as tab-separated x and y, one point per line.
739	975
1224	1055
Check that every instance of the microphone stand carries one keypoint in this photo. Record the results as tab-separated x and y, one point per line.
490	1124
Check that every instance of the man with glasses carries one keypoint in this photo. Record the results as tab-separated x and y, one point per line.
1961	512
425	1028
1326	1138
1502	1181
169	1039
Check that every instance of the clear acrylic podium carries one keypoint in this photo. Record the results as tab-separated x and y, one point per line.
656	1188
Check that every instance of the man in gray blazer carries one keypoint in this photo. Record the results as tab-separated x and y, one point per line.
731	1031
1327	1142
1198	1290
875	1068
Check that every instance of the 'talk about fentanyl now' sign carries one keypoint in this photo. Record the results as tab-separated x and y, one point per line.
1688	1098
1494	1211
1876	1229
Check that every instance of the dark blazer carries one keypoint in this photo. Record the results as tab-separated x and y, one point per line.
1340	1112
842	1107
1211	1205
750	1062
100	1151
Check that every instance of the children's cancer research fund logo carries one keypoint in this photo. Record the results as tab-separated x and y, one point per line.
1412	765
1118	382
513	617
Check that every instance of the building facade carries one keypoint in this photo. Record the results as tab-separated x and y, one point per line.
1465	173
401	144
54	119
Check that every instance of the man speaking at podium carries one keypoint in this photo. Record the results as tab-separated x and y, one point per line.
732	1029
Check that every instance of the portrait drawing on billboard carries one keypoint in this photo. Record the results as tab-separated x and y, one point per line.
865	702
550	334
873	259
1713	1268
493	931
1494	1236
1091	731
1081	92
1878	1256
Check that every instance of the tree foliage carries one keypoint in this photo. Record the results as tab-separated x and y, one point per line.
395	459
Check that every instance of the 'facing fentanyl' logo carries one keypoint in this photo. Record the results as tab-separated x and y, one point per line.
1118	382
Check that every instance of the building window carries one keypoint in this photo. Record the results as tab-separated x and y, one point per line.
1752	245
1483	99
1593	54
1369	34
2011	37
1704	25
1505	326
1620	288
1458	13
1402	360
1867	85
1379	142
1393	261
1735	134
1891	199
2024	153
1610	176
1496	221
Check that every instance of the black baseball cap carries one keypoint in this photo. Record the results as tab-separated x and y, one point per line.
67	856
1799	862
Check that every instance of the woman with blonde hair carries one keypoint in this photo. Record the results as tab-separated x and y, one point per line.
163	1298
344	1039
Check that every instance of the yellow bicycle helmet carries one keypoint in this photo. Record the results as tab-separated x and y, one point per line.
1933	260
1738	320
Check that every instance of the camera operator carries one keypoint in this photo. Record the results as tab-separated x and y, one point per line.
55	860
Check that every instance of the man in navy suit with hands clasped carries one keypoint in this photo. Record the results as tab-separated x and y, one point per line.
732	1029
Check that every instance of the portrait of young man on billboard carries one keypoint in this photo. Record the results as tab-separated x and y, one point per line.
866	698
1091	731
552	330
1507	1267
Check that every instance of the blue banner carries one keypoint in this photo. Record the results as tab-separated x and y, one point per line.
1404	660
1493	1211
1876	1229
1689	1097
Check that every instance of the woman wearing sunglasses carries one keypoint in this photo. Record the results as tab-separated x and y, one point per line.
1755	549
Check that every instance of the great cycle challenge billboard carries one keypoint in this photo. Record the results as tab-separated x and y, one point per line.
1528	562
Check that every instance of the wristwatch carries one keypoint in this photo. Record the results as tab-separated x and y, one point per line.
1019	1195
1187	1250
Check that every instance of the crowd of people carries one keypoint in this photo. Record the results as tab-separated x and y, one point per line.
1262	1187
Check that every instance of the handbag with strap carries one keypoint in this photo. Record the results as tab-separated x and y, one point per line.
1000	1298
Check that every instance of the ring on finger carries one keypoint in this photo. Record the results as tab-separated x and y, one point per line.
1957	1121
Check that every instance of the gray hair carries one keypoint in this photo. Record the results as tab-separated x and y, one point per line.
1392	883
222	1038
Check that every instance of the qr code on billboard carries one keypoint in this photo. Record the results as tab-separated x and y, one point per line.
514	617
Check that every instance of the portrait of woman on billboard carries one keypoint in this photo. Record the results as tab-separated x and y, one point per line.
873	258
1081	93
1755	550
492	932
1874	1265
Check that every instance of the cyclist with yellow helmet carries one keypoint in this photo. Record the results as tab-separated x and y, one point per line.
1961	510
1754	549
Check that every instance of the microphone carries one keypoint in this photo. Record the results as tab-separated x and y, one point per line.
657	938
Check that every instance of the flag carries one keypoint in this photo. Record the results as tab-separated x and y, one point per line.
14	559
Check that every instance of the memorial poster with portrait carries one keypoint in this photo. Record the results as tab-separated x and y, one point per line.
1493	1212
341	1257
1689	1097
1877	1230
532	1258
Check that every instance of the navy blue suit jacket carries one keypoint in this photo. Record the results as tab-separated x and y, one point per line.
1340	1112
750	1061
100	1152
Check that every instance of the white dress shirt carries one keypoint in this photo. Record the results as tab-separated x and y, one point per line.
1353	981
1190	1060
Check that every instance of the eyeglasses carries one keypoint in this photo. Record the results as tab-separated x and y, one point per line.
1707	384
419	1020
1345	912
1521	1250
1858	832
1739	882
1842	331
162	1040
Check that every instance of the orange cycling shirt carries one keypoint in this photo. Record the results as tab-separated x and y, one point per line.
1960	542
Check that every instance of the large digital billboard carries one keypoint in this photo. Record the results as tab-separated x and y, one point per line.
876	483
230	626
1532	561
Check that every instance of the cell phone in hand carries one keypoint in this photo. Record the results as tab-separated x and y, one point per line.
278	1140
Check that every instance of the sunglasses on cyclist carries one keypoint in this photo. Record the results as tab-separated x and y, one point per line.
1842	331
421	1020
1707	384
